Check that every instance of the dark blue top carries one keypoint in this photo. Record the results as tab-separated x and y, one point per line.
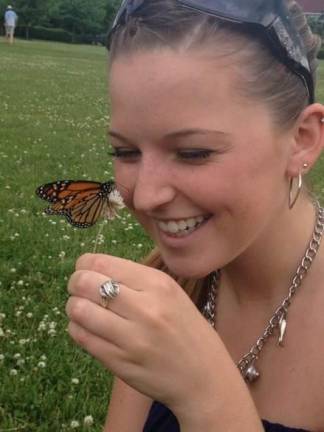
161	419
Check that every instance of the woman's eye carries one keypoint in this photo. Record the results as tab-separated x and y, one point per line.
194	154
124	153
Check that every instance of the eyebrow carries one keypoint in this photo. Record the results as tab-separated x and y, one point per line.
196	131
182	133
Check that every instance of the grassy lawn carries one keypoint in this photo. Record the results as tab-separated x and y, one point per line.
52	125
53	120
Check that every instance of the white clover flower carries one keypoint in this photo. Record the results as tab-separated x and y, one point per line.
1	332
17	356
75	381
41	364
74	424
20	283
88	420
116	203
29	315
42	326
62	254
13	372
21	362
51	332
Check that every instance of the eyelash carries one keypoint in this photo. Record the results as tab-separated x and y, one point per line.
119	154
196	154
184	155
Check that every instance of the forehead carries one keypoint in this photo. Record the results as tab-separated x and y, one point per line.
154	91
152	81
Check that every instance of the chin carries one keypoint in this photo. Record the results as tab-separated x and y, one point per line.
188	270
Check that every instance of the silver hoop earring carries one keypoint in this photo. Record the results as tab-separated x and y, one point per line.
293	199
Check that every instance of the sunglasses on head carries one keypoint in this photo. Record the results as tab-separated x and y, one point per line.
267	18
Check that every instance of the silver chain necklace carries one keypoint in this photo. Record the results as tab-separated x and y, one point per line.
278	320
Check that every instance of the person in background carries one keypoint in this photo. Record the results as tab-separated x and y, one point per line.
214	124
10	20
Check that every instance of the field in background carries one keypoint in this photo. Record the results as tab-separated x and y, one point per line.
52	126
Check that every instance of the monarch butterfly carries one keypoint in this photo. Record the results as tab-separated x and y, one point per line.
81	202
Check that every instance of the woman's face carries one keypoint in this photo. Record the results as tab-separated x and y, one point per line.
202	167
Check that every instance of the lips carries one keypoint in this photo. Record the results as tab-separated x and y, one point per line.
182	227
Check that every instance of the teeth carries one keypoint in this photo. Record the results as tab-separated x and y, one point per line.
181	227
191	223
173	227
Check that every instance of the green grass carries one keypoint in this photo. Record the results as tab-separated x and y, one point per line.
53	126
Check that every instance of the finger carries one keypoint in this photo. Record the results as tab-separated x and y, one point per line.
97	320
94	321
128	272
110	355
86	284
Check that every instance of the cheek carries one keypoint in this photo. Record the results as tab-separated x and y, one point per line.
238	187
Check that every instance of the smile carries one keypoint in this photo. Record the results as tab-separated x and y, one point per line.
182	227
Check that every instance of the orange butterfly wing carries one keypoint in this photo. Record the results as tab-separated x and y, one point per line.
81	202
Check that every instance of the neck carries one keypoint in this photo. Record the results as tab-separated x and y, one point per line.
263	274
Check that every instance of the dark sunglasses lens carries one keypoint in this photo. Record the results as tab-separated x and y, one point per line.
247	11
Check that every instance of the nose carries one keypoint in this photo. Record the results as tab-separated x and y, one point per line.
153	186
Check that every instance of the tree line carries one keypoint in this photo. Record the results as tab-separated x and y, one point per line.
77	20
77	17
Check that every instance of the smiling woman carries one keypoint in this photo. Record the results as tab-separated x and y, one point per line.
213	125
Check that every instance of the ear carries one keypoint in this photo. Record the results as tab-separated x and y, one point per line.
308	140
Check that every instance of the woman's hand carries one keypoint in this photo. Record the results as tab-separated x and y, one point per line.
151	335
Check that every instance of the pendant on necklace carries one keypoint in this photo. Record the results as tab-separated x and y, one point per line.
282	328
251	374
